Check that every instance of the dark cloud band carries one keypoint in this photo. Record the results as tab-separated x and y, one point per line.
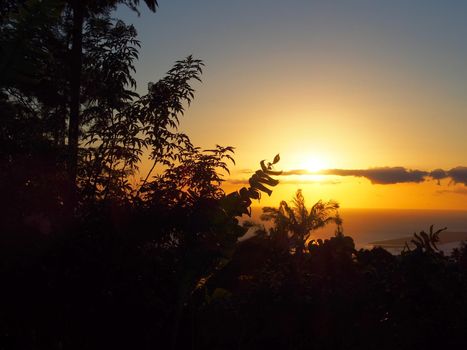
289	181
394	175
383	176
458	175
389	175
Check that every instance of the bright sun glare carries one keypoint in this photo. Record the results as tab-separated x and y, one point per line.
314	164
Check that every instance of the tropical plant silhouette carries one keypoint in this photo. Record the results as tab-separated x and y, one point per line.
426	241
89	260
296	223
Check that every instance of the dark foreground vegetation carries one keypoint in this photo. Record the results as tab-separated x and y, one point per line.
146	277
91	260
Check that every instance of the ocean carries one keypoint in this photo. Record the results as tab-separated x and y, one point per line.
369	225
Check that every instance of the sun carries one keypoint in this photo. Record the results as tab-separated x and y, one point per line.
314	164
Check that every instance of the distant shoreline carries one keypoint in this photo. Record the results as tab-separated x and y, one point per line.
258	207
445	237
386	226
448	240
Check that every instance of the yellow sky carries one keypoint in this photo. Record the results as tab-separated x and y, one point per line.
356	87
353	192
340	120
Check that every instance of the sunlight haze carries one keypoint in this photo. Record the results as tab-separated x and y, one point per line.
327	84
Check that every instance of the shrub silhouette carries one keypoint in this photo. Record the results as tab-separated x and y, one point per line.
160	265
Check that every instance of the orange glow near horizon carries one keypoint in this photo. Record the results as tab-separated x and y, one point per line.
353	192
327	89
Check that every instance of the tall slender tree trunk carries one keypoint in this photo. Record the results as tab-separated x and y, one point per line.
75	87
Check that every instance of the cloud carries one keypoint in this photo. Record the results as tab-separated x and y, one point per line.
289	181
297	172
393	175
438	174
458	175
308	181
380	175
284	172
383	175
377	175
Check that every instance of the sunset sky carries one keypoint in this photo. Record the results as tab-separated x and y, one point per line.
340	85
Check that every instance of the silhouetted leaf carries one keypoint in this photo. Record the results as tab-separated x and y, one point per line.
277	158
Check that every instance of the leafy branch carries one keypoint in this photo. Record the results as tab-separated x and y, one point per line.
238	203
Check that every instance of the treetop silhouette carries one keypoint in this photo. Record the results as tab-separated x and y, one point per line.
296	223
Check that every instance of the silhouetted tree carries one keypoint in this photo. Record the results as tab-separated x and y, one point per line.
82	10
160	264
117	126
296	223
59	59
118	137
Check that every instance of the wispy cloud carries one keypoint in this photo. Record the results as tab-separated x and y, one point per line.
298	172
394	175
377	175
295	181
458	175
383	175
438	174
310	181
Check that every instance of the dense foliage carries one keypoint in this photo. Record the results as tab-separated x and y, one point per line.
90	260
331	296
